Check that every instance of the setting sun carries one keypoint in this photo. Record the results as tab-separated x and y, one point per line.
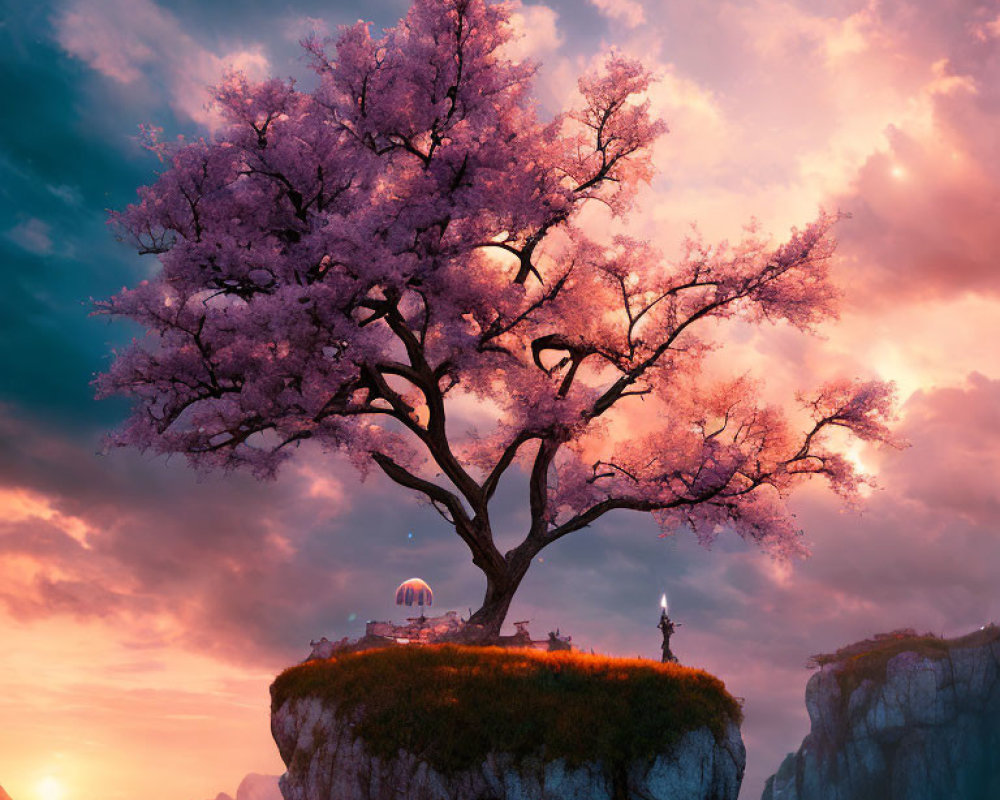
50	788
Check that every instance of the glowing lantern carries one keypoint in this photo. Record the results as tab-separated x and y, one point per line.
414	592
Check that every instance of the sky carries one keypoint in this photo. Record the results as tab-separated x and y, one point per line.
144	612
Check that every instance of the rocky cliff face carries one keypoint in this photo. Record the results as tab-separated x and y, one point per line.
327	762
908	718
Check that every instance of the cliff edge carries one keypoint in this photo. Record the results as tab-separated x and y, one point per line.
469	723
900	717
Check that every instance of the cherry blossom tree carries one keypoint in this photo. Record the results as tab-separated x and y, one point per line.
364	264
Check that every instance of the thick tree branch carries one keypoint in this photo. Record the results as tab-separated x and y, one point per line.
538	486
420	372
505	460
429	489
595	512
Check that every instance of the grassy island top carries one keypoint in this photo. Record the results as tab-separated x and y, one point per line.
452	705
867	660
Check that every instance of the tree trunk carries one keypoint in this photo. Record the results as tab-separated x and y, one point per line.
500	588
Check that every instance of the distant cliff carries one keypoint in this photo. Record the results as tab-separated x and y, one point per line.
253	787
900	717
451	723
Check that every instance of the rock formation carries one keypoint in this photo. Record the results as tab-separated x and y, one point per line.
901	717
326	762
507	725
253	787
259	787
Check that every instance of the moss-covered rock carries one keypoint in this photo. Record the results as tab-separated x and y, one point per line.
867	660
445	720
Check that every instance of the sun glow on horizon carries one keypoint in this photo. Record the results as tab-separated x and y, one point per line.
50	788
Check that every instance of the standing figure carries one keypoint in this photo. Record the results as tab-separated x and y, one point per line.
667	626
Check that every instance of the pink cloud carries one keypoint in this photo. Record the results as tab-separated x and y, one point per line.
880	111
957	430
299	28
924	200
536	33
84	30
130	40
629	12
34	235
925	216
227	567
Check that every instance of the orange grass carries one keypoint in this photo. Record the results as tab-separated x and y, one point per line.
452	705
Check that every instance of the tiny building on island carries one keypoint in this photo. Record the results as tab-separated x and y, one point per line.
428	630
425	630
